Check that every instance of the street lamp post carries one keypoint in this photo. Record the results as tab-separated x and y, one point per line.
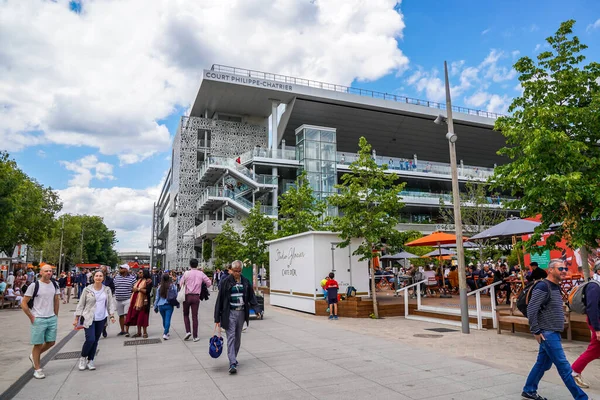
460	253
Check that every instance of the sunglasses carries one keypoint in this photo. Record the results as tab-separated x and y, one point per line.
561	269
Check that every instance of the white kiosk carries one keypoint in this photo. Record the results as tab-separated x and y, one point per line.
299	262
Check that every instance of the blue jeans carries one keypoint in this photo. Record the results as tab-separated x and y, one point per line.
551	352
166	310
92	336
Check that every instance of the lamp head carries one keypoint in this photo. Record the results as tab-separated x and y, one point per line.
439	120
451	137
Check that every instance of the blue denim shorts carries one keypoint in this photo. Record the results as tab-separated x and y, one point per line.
43	330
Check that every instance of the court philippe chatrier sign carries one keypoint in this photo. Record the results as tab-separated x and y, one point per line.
219	76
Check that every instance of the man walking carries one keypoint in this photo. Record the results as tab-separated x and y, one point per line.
123	284
43	316
192	280
155	283
232	308
546	322
592	310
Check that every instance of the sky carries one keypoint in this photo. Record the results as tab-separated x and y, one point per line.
92	91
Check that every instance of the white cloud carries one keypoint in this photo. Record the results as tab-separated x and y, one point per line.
477	99
498	104
515	54
593	26
534	28
456	66
495	72
41	154
83	167
537	47
429	83
127	211
110	73
485	31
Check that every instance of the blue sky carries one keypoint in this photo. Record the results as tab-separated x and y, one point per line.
103	120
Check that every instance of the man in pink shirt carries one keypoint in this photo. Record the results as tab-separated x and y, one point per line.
192	281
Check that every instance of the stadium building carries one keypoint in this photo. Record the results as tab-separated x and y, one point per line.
249	134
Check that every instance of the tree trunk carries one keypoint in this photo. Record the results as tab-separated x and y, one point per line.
373	291
585	266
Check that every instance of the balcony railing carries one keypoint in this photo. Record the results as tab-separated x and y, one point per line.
350	90
433	167
231	163
277	154
218	191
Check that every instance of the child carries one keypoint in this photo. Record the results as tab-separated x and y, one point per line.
332	288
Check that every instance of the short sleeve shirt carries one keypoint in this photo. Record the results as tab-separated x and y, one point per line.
43	303
332	288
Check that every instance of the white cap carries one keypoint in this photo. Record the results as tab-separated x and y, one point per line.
126	266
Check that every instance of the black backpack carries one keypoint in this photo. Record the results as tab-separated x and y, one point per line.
525	296
35	292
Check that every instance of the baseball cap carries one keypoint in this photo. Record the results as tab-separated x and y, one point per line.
125	266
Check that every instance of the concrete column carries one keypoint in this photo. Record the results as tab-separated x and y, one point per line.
274	124
274	145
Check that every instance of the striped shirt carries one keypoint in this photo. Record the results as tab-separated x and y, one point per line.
124	286
236	296
546	314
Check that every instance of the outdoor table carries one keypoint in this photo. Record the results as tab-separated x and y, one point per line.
568	284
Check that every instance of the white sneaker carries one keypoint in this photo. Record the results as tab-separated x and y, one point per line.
196	339
91	365
165	337
187	336
38	374
82	363
168	336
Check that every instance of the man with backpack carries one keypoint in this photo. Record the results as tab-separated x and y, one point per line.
40	304
546	322
591	302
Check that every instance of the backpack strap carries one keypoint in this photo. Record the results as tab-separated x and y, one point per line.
36	288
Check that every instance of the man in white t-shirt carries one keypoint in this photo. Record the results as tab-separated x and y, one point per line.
43	316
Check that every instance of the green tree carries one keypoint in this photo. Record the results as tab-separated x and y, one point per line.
477	214
369	206
228	245
27	208
299	211
552	141
206	250
258	228
97	246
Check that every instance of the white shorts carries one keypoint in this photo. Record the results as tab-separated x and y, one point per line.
123	306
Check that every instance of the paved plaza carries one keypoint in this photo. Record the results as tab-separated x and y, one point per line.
291	355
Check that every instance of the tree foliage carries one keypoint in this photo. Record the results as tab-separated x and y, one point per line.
206	250
476	214
299	211
98	241
552	141
369	207
27	208
258	228
228	245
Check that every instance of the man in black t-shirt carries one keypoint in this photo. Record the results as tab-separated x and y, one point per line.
536	273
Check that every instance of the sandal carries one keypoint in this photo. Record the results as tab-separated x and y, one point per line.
135	335
126	334
145	336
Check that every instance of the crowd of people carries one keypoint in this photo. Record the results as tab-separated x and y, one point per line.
130	296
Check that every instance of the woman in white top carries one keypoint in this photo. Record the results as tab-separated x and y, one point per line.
96	304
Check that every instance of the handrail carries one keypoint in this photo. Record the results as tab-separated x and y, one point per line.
347	89
477	294
406	295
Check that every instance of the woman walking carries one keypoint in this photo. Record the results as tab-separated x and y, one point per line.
96	304
166	298
139	309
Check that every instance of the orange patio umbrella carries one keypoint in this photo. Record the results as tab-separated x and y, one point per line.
436	239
